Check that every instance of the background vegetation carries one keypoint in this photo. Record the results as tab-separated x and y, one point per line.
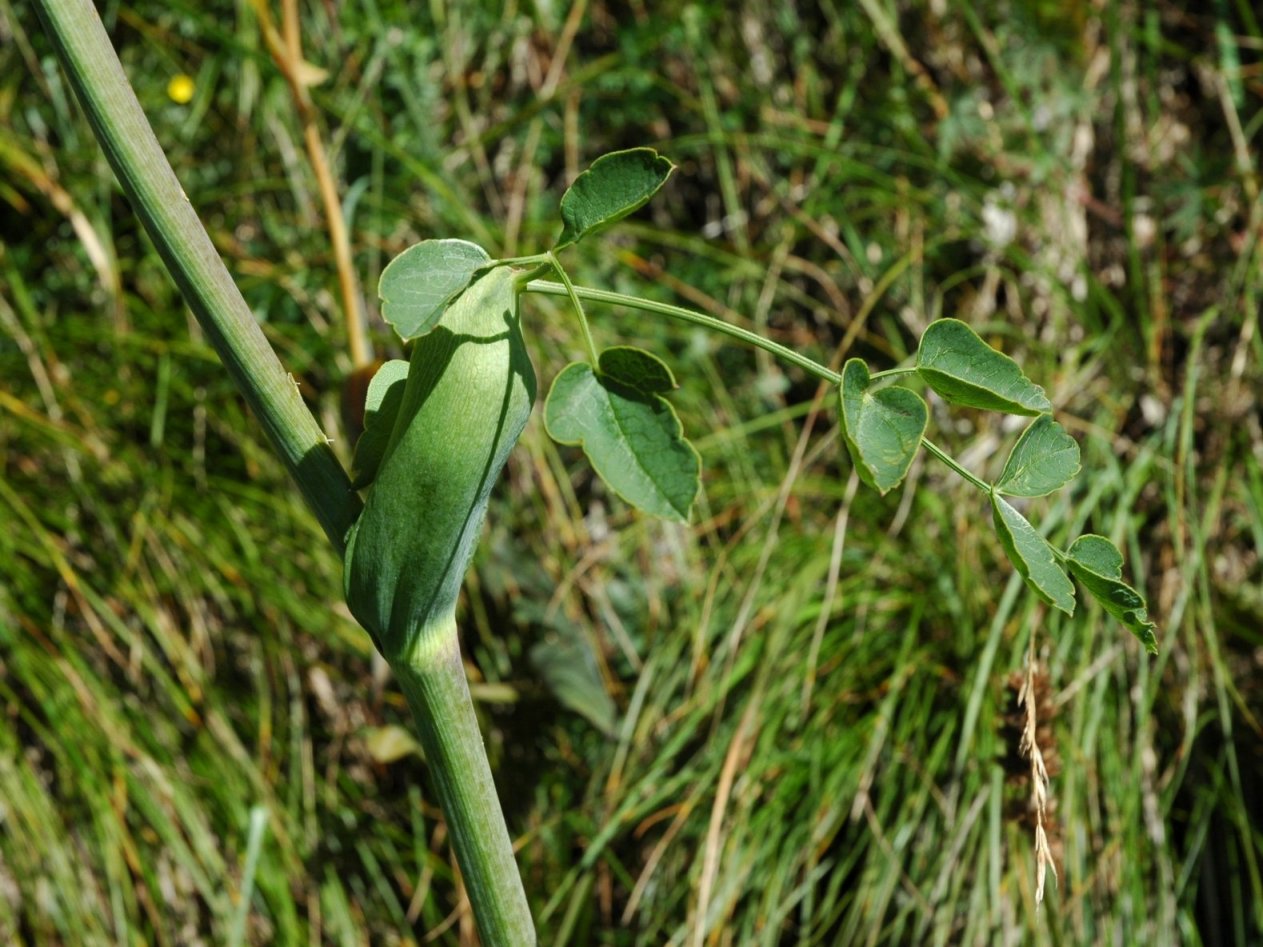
792	722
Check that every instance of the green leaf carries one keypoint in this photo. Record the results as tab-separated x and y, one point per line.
468	396
1045	458
419	284
381	407
882	428
631	436
637	368
570	671
1098	565
614	186
965	370
1032	556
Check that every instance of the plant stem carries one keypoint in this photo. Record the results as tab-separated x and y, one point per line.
433	680
893	372
535	260
435	684
951	462
137	159
808	365
568	289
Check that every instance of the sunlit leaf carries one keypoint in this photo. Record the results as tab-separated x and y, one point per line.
615	185
419	284
632	437
965	370
468	396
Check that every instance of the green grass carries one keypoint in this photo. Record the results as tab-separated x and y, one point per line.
785	724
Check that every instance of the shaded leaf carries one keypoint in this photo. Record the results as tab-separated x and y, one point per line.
632	438
419	284
965	370
381	407
629	365
1045	458
615	185
882	428
1032	556
1098	565
570	671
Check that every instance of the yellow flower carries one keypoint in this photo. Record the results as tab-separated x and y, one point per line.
181	89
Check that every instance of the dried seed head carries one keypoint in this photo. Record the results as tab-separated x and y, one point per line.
1030	760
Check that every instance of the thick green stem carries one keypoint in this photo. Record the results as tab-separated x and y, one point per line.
435	683
162	206
811	366
433	679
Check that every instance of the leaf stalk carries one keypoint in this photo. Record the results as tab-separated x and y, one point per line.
679	313
951	462
569	290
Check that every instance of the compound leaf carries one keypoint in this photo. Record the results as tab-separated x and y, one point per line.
965	370
381	406
615	185
632	437
1098	565
882	429
419	284
1032	556
1045	458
